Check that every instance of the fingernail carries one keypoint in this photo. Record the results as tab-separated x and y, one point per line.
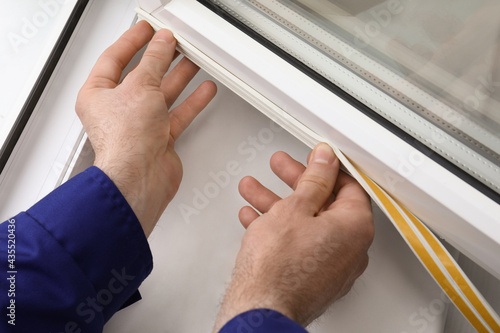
164	35
323	154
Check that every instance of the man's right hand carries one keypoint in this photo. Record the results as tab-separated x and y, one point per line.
304	251
130	124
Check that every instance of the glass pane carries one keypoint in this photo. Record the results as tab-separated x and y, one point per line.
30	29
431	67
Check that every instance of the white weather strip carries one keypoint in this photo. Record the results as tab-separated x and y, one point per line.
426	247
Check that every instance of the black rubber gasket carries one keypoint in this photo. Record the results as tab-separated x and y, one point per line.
467	178
41	83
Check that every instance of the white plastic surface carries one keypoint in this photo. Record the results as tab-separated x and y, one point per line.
151	5
193	261
42	154
194	252
458	212
28	28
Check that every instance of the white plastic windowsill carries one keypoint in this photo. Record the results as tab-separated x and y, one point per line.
53	134
34	33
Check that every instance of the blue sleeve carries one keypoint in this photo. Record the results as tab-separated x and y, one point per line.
262	321
72	260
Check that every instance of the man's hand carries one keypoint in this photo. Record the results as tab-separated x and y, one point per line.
306	250
129	123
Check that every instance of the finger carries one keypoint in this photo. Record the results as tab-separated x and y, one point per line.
110	65
328	203
347	188
135	66
309	156
318	180
247	215
175	81
287	169
130	71
184	114
158	56
257	194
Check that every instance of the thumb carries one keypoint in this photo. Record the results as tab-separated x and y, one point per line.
158	55
318	180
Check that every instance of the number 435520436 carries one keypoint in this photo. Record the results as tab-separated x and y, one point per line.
11	244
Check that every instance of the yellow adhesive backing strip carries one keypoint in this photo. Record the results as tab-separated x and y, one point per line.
424	256
454	271
467	299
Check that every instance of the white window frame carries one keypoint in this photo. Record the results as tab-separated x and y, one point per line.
53	137
456	211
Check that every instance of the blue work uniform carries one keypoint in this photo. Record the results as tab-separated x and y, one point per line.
78	256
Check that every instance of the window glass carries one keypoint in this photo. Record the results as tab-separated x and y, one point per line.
430	67
30	30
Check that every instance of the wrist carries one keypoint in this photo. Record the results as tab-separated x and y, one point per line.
261	320
133	186
241	298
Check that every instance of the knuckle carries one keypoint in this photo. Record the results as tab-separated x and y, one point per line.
155	54
364	264
370	232
142	78
321	183
361	219
80	105
357	222
282	206
367	229
290	203
79	110
364	233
